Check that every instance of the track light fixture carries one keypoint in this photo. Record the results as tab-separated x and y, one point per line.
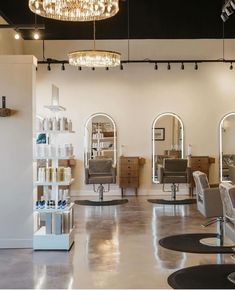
93	68
232	3
169	66
196	66
182	66
156	66
107	68
63	66
231	66
121	66
227	10
79	68
49	67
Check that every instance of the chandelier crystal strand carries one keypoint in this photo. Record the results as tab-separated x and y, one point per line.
75	10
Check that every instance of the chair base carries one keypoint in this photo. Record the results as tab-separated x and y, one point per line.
231	277
100	190
216	242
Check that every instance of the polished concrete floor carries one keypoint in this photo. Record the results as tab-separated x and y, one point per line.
115	247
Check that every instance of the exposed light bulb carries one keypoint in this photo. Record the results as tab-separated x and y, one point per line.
36	35
17	36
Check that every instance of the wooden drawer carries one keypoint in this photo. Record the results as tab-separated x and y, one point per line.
125	172
129	161
129	167
203	161
126	182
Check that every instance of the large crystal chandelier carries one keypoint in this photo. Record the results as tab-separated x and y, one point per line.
75	10
94	57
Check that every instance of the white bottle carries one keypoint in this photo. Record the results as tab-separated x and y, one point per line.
54	175
54	124
70	126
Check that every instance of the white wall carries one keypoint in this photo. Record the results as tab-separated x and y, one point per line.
17	83
136	95
9	45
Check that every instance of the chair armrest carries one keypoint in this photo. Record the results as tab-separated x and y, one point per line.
160	172
86	176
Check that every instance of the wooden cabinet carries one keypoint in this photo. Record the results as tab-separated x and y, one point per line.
200	163
129	172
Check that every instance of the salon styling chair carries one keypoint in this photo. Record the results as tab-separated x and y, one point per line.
209	204
227	192
174	172
100	172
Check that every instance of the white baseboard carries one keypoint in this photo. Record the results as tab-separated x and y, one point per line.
16	243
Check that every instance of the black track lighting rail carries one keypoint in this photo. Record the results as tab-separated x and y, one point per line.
22	26
153	61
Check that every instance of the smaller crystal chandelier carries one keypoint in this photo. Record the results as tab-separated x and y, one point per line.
75	10
94	58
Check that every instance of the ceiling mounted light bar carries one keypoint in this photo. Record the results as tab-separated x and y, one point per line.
75	10
228	9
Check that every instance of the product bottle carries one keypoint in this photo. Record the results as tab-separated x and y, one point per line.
54	175
54	124
70	126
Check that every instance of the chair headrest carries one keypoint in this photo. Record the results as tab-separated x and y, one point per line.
201	180
100	166
175	165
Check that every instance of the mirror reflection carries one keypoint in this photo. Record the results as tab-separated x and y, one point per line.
167	138
227	149
100	138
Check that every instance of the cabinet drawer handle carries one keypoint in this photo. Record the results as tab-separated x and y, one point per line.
129	167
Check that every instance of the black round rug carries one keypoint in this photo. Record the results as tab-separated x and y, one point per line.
190	243
101	203
174	202
202	277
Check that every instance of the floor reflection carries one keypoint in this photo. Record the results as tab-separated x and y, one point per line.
103	248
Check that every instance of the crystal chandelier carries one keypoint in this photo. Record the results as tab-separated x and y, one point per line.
94	58
75	10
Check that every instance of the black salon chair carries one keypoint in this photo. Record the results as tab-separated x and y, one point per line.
174	172
100	172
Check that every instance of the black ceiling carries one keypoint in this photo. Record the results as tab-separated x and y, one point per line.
148	19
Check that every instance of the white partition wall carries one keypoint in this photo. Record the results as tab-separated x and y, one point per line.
17	83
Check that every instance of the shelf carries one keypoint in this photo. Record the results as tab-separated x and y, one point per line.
55	158
50	210
55	132
42	241
55	108
59	183
104	138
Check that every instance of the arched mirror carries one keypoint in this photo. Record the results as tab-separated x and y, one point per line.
227	148
100	138
167	140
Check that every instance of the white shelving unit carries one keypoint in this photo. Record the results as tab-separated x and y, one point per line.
48	237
